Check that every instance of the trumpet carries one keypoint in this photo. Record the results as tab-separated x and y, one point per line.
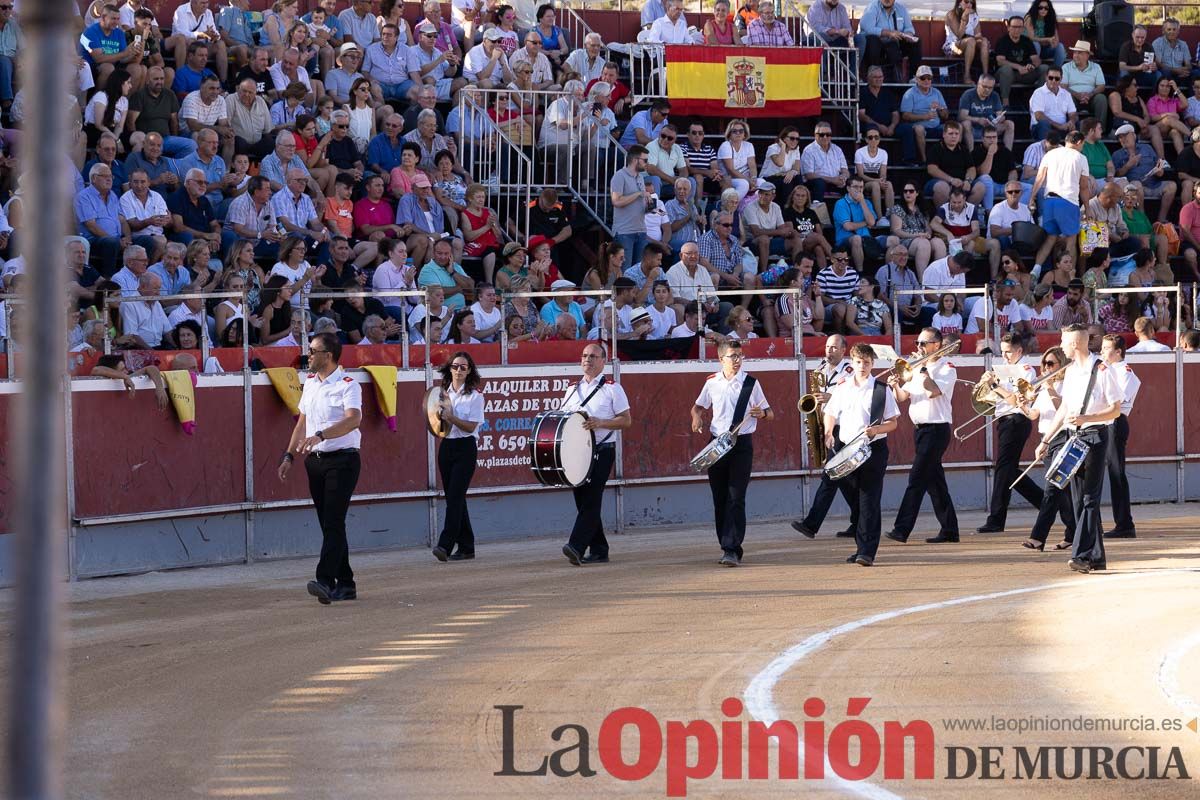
903	369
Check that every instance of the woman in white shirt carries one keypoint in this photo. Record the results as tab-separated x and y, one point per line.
229	311
962	36
741	324
106	111
462	413
435	309
736	157
870	164
782	164
291	265
488	315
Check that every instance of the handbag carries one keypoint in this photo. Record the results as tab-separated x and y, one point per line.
1171	234
1092	234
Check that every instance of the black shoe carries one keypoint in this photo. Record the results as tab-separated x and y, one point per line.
803	529
852	559
440	554
846	534
461	556
1129	533
321	592
729	560
1099	566
896	537
572	555
344	593
865	561
1080	565
986	528
943	538
592	558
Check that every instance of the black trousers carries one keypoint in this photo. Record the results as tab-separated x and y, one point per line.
332	477
1118	481
1012	433
1086	488
867	483
456	464
728	480
589	526
890	52
823	499
928	475
1054	501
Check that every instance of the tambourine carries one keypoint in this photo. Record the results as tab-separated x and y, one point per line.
434	398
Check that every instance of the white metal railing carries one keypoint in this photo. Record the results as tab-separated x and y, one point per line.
504	166
204	343
573	25
1176	289
647	72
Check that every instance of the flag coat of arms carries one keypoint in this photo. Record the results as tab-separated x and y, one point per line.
744	81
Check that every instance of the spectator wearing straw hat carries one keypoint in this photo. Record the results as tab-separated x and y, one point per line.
1085	81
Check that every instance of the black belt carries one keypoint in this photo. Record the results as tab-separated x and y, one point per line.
331	453
606	446
929	424
1055	195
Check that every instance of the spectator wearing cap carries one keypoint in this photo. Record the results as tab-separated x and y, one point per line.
429	66
541	262
513	266
485	64
924	108
444	270
1051	106
1137	161
421	211
562	303
98	213
763	225
338	81
1017	59
588	61
531	55
1085	81
886	37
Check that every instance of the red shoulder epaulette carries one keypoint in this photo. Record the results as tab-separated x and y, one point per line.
348	379
951	365
312	374
715	374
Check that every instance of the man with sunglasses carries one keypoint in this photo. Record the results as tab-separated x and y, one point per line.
665	162
930	397
607	409
924	109
737	401
327	433
822	164
1008	211
1051	107
646	125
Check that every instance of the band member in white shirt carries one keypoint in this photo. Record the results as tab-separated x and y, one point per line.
836	369
1094	424
607	408
736	398
327	433
930	396
1054	500
862	405
462	410
1112	350
1012	431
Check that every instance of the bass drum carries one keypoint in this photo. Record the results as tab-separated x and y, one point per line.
561	450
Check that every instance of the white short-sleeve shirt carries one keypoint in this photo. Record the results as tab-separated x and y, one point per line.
721	395
1104	394
607	403
850	405
924	409
325	402
468	406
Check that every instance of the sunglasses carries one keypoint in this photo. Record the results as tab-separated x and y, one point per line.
840	258
873	136
925	78
429	35
824	135
792	138
341	127
910	191
737	130
460	367
927	342
1053	78
1012	191
666	137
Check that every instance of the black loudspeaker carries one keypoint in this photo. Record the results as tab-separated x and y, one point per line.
1114	24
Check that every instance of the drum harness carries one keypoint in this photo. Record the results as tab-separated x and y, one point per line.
582	406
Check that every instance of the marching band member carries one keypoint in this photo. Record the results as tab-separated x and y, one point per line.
462	410
607	408
863	405
1091	400
733	395
1013	429
836	369
1054	500
930	395
1112	350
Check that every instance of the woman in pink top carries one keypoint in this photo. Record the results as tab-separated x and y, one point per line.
1165	108
374	217
720	29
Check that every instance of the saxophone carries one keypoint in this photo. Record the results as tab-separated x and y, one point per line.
815	422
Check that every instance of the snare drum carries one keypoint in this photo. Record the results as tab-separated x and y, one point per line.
561	450
714	451
1066	462
848	459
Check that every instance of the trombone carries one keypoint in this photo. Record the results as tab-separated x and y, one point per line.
986	394
903	369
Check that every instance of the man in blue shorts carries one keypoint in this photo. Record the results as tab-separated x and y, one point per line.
1064	174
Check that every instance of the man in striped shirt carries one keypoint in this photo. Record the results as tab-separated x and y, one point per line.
837	283
701	162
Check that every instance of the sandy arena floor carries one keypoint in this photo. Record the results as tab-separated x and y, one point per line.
233	682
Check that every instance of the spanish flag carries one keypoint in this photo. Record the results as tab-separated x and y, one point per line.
744	81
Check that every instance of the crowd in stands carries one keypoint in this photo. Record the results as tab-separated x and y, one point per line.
284	156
